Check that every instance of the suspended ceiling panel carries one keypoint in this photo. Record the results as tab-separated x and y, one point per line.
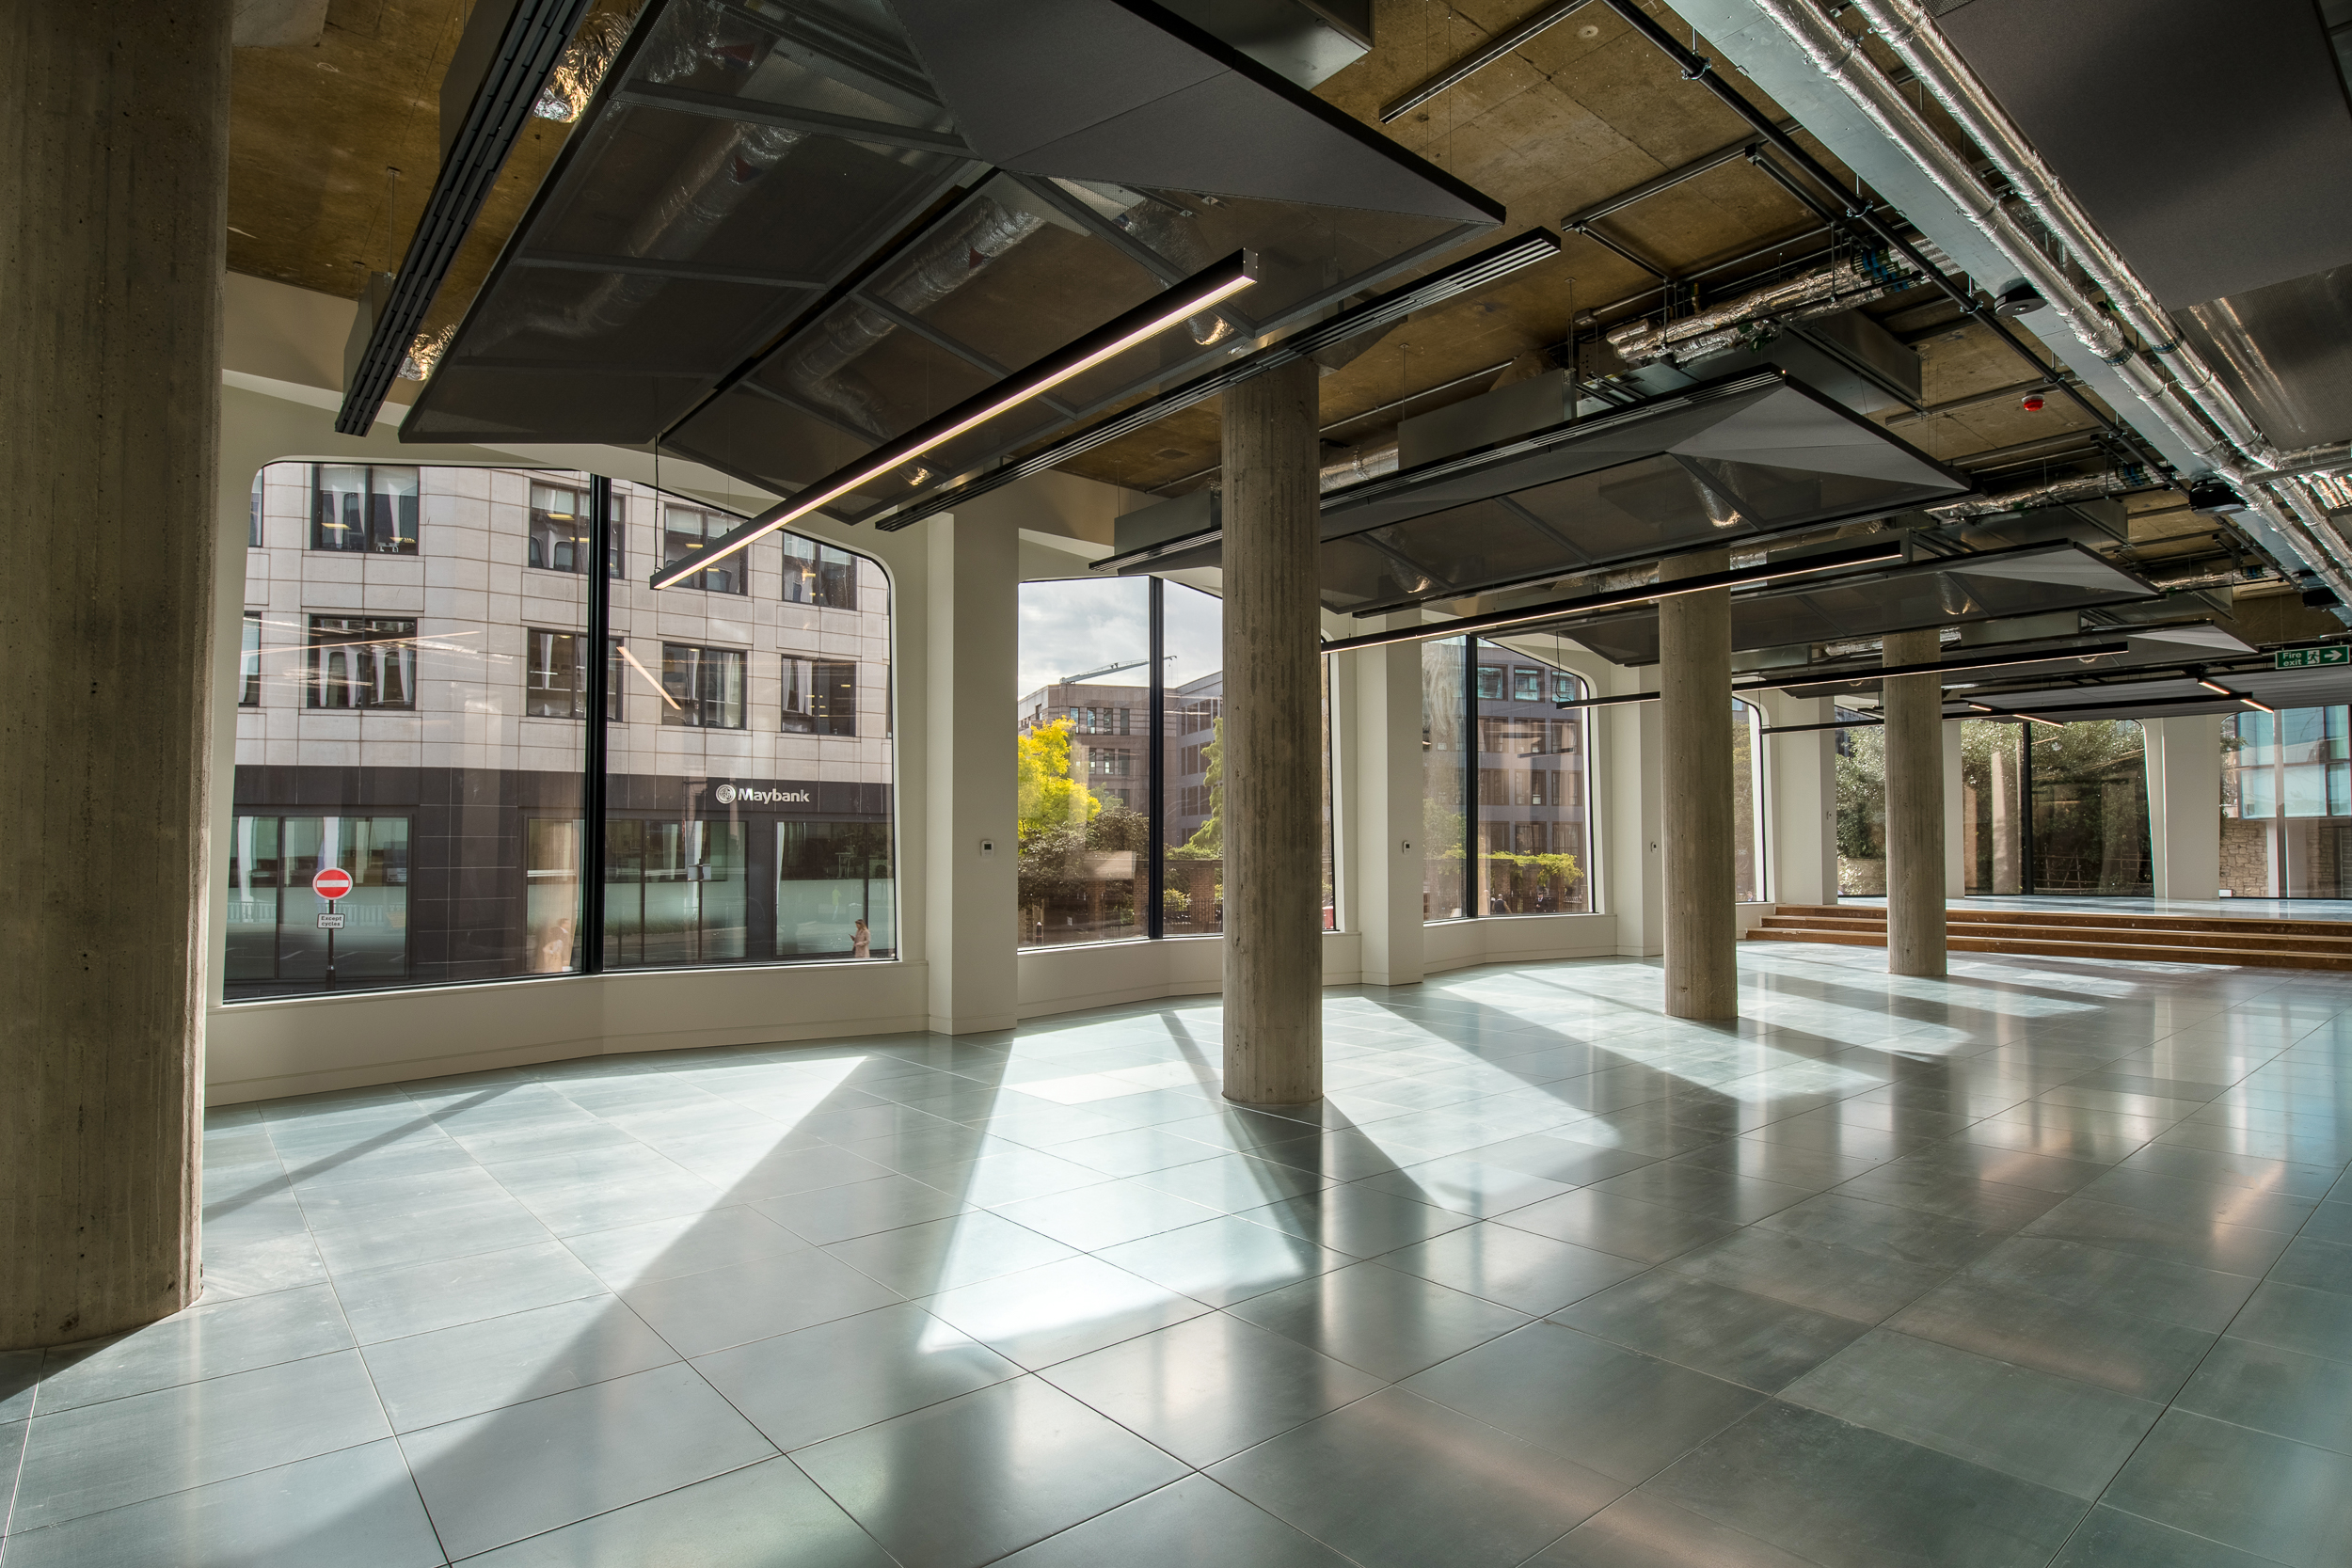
790	231
2199	136
2031	581
2286	352
2174	699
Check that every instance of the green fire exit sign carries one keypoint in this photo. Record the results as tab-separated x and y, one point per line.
2303	659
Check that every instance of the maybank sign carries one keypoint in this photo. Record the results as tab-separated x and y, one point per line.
748	795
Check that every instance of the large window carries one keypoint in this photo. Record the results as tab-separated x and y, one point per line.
1500	738
686	531
1747	802
1091	796
820	695
358	507
357	661
559	540
703	686
818	574
250	663
2286	803
2053	807
457	801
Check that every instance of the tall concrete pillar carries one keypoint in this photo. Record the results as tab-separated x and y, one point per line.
1913	707
115	136
1272	772
1694	716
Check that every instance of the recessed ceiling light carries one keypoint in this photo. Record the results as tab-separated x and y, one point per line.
1588	31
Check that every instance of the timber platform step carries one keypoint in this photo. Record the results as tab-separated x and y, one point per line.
2077	934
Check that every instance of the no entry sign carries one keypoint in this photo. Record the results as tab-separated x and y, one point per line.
331	883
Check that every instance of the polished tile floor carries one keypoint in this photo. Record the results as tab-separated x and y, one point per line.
2047	1263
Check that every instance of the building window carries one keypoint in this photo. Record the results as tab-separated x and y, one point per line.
359	507
1491	682
249	661
703	686
1507	826
819	575
555	682
253	523
361	662
819	696
560	538
685	533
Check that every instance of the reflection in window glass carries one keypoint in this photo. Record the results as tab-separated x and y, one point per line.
1535	828
250	663
358	507
275	940
555	685
685	532
360	662
836	898
560	537
1082	832
819	574
1445	894
674	892
819	696
2286	804
703	686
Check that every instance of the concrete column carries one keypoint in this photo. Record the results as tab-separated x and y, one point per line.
971	604
2184	805
1386	828
1695	719
1914	708
114	138
1273	778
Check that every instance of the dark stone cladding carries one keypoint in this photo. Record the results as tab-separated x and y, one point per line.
466	842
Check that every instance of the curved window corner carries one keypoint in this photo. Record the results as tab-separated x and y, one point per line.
440	756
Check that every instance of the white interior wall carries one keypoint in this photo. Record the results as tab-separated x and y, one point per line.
2184	759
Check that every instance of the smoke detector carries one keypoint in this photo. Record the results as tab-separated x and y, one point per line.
2030	403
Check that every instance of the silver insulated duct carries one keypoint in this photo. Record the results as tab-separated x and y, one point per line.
1755	318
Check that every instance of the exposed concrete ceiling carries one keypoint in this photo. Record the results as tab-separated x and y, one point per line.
1584	111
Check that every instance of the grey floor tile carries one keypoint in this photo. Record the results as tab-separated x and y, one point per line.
1089	1218
1717	1194
1194	1524
2194	1202
1755	1340
389	1304
1845	1496
2053	1430
2232	1170
765	1516
2008	1167
1515	1268
699	1313
1396	1480
1467	1185
689	1244
1823	1276
1784	1163
126	1450
1225	1259
510	1474
258	1267
1356	1219
1985	1205
1930	1241
2118	1281
1046	1315
2144	1357
2272	1389
2109	1538
1557	1158
818	1383
354	1508
2250	1490
1210	1387
2315	1265
1640	1530
1614	1412
843	1212
1624	1226
2199	1243
965	1481
210	1340
941	1255
2329	1222
1389	1324
430	1378
2293	1317
1229	1184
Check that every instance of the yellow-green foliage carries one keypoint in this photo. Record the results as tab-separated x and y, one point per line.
1049	797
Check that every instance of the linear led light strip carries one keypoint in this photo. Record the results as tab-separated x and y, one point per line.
2240	696
1855	677
1202	290
1861	555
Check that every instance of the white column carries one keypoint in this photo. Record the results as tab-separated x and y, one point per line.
1803	848
1385	833
1955	814
2184	804
1631	820
971	603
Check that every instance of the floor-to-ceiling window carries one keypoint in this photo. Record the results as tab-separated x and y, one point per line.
1861	777
1114	674
2054	808
419	719
2286	803
1748	807
1506	820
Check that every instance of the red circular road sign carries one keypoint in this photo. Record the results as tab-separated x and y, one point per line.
331	883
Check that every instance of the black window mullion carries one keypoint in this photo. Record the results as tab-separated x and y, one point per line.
589	944
1155	766
1472	903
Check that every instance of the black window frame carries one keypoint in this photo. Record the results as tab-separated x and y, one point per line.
406	535
828	691
685	701
578	540
824	578
359	631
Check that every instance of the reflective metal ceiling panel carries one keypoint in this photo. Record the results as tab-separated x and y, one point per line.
1954	592
784	238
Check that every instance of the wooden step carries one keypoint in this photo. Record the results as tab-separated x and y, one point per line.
2140	947
2027	930
2121	919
